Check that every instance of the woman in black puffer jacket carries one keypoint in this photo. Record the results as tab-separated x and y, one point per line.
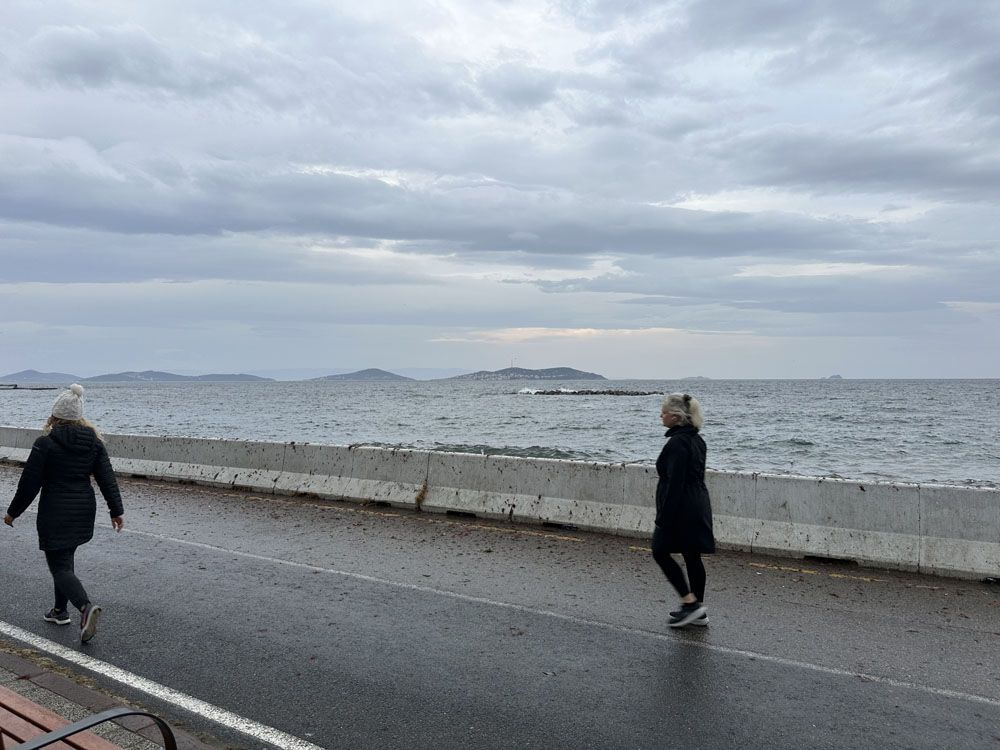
61	463
683	508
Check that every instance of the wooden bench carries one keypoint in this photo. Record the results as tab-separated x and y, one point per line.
22	720
25	724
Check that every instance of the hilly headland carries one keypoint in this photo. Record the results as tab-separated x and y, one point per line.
370	374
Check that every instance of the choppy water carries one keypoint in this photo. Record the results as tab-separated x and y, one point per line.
918	430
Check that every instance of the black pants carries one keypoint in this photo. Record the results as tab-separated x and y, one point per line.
673	572
67	585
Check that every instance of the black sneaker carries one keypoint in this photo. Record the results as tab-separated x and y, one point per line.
701	621
58	616
88	622
687	614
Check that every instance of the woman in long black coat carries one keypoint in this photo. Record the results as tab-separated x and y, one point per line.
683	508
60	464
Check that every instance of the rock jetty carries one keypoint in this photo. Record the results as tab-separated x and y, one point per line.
610	392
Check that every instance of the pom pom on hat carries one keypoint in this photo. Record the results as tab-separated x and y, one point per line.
69	404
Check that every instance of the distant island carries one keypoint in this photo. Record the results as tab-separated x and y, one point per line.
833	377
155	376
520	373
147	376
370	374
34	376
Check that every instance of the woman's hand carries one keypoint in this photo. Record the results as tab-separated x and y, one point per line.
118	522
8	519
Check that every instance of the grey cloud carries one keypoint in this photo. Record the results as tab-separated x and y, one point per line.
673	285
843	25
74	185
943	49
202	305
595	112
128	55
230	148
71	255
979	91
353	78
599	15
519	86
823	161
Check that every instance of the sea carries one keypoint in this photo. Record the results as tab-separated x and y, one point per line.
927	431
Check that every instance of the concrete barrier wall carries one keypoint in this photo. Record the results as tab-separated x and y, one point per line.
930	528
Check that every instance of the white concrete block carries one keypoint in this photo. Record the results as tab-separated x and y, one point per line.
588	495
16	442
243	454
734	507
960	529
388	475
875	523
322	470
839	503
639	511
960	557
887	549
18	437
308	458
455	481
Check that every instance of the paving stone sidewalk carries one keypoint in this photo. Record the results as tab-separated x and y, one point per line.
74	696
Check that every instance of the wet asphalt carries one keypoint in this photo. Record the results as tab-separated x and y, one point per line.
360	626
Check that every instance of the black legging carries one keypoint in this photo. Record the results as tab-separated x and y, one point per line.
67	585
673	572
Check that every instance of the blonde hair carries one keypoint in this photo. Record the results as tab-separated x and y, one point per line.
686	408
53	421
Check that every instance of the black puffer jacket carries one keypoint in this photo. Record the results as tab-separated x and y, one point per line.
60	465
683	508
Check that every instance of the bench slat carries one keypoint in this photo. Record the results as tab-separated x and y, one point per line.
21	730
19	715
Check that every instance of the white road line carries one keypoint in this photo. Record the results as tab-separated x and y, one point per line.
625	630
228	719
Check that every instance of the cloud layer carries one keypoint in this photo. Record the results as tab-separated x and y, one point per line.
641	189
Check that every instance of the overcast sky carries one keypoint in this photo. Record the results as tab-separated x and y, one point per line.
641	189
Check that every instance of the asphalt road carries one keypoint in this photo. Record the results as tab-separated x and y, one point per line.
368	627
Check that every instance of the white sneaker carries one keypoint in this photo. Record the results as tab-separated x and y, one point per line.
88	622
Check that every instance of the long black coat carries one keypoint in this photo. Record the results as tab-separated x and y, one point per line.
60	465
683	508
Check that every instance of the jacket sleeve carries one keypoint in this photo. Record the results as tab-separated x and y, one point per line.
31	479
105	477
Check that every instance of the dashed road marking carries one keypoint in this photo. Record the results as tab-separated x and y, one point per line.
809	572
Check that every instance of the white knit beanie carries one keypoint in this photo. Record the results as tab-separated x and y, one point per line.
69	405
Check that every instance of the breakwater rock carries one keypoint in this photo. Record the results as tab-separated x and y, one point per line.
570	392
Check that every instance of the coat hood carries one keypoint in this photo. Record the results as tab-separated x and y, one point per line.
76	438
